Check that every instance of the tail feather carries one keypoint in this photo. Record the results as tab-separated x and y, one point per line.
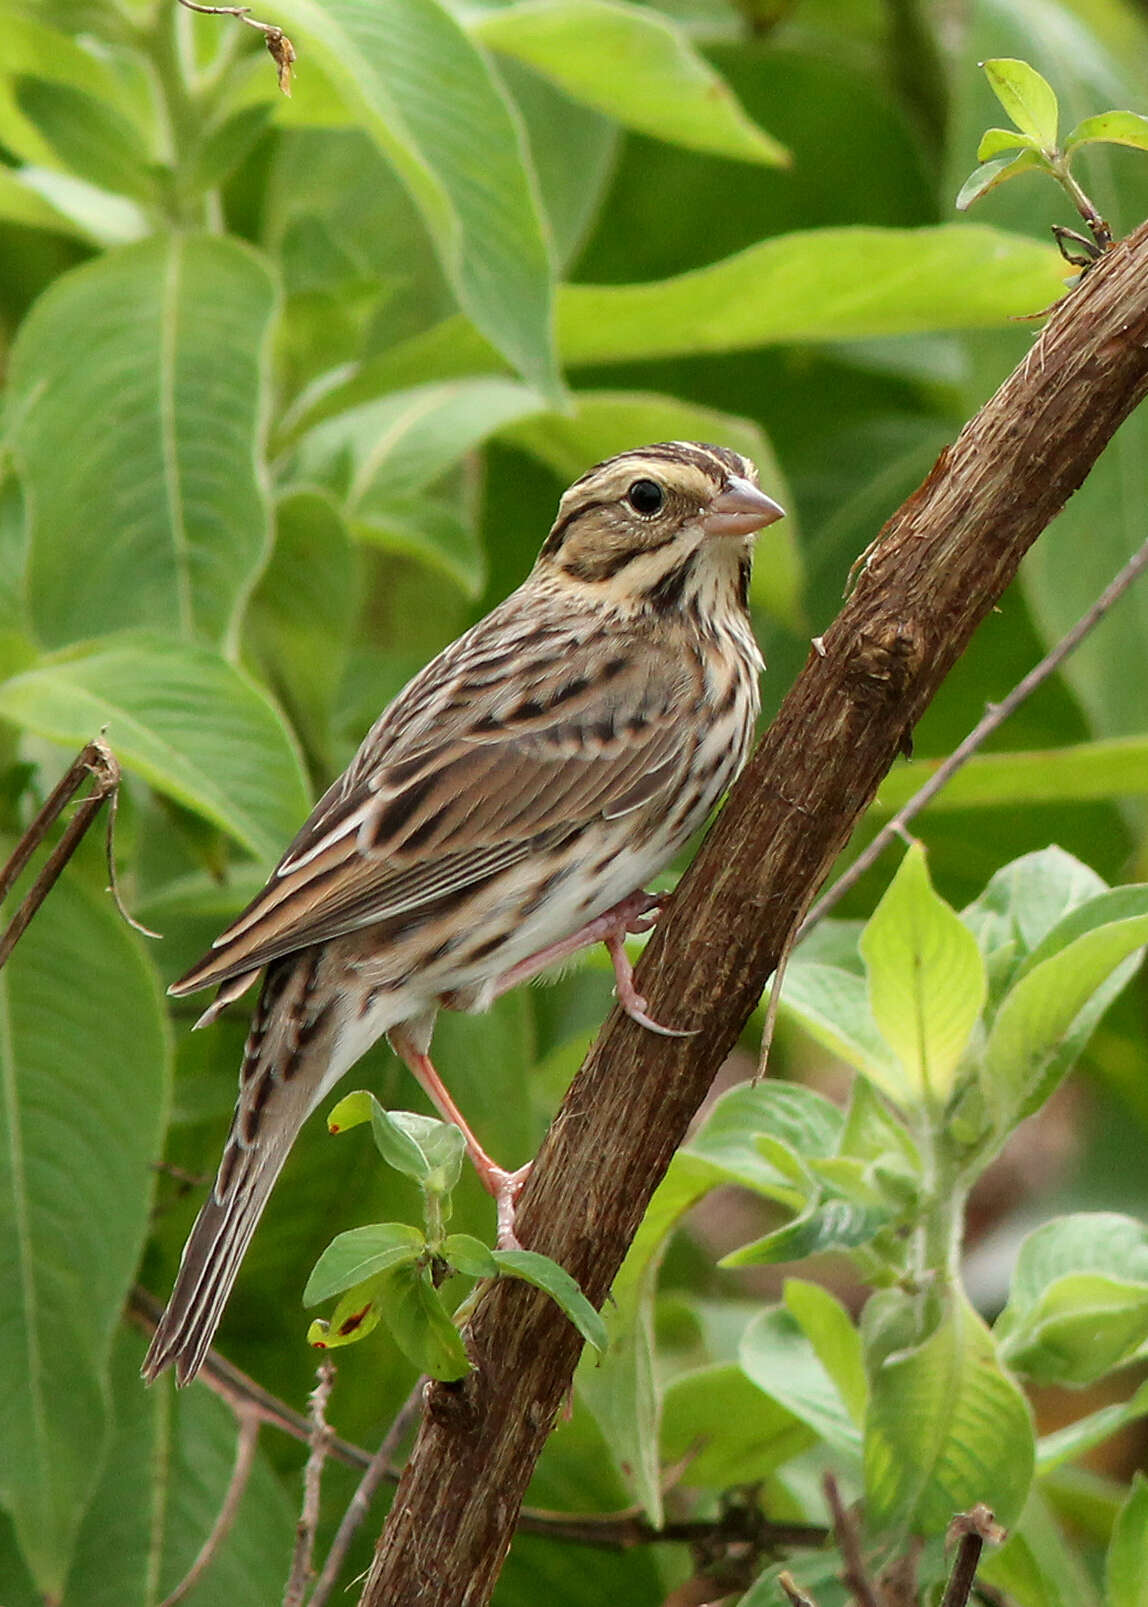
210	1263
290	1062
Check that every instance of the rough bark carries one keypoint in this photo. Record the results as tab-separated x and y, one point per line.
936	570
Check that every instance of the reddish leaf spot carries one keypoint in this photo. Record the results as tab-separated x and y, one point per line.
349	1324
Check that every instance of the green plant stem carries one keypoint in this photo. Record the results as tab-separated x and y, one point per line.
1101	233
187	109
941	1226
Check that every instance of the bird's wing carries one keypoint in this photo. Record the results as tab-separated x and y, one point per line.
474	774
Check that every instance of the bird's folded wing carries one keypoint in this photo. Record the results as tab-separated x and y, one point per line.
407	828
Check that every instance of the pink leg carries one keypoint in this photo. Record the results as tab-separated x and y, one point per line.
504	1186
637	912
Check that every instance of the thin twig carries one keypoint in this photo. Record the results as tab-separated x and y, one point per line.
793	1591
245	1444
280	48
360	1503
305	1529
994	717
972	1529
848	1533
97	761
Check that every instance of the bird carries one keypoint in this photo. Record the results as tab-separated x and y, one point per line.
506	809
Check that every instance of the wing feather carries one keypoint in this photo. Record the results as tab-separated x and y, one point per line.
484	771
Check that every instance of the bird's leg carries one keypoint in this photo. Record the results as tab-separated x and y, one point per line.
502	1185
637	912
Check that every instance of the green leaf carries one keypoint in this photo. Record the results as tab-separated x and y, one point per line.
777	1354
429	99
1026	97
990	174
1114	128
1125	1576
419	1323
1076	1439
85	1067
356	1255
1116	768
1078	1305
163	420
190	724
636	66
302	615
1029	898
810	285
419	1146
835	1341
555	1281
22	202
726	1430
994	141
381	459
1032	1042
602	423
89	135
832	1004
351	1111
163	1483
946	1428
818	284
357	1314
830	1222
469	1256
226	145
926	983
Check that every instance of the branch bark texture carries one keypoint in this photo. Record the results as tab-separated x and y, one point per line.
937	568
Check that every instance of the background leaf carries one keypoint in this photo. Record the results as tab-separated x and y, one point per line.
86	1092
164	429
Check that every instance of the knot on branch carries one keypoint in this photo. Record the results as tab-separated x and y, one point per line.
455	1404
886	660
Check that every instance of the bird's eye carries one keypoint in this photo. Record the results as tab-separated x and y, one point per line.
646	497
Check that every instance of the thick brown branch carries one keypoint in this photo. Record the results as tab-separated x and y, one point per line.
936	570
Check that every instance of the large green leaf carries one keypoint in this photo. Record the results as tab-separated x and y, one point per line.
1116	768
1125	1575
183	719
811	285
135	419
164	1480
725	1429
84	1065
946	1428
428	97
633	64
777	1354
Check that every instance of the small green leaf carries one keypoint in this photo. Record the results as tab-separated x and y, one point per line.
469	1256
1114	128
1078	1305
994	141
226	145
832	1004
419	1322
555	1281
419	1146
351	1111
778	1356
835	1340
1125	1575
927	983
827	1224
946	1427
1026	97
358	1254
990	174
1032	1042
357	1314
634	64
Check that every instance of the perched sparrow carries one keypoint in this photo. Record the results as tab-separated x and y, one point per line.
505	810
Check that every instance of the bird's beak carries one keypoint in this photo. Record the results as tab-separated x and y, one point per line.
740	510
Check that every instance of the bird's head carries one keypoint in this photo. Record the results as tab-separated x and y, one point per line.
659	526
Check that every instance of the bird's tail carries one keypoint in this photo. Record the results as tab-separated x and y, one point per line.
287	1069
